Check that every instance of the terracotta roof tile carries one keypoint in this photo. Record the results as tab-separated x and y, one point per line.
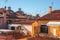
24	22
54	15
21	17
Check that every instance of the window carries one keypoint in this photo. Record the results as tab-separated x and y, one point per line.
19	28
1	13
44	29
9	21
12	28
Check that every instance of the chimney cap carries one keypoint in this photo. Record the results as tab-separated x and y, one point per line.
50	9
50	6
9	8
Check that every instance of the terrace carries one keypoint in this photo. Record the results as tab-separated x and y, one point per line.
38	37
11	35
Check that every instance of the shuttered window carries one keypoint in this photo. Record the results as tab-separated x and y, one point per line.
44	29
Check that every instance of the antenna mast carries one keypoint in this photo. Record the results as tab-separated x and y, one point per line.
5	3
52	4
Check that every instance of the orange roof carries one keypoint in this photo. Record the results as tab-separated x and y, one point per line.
21	17
2	10
23	22
54	15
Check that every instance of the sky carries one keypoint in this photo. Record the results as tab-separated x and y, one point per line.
31	7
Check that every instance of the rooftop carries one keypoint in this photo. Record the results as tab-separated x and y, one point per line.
54	15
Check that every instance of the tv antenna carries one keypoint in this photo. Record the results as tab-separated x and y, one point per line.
5	3
52	4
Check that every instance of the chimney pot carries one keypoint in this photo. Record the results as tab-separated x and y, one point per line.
50	9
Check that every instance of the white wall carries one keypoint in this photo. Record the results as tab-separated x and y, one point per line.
14	25
28	27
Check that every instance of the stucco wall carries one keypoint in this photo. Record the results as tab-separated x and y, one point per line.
51	32
28	28
24	28
2	23
50	28
43	22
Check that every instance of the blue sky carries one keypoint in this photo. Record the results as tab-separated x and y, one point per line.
32	7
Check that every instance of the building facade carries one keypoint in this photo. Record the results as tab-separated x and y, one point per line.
42	27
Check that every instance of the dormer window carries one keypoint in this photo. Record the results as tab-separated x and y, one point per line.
1	13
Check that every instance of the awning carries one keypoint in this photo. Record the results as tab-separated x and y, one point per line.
53	24
14	25
5	30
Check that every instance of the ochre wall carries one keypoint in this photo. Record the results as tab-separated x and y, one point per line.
41	22
35	24
51	30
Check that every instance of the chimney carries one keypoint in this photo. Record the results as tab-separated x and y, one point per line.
50	9
5	7
9	8
19	9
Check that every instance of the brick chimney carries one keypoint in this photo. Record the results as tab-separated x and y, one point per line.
50	9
